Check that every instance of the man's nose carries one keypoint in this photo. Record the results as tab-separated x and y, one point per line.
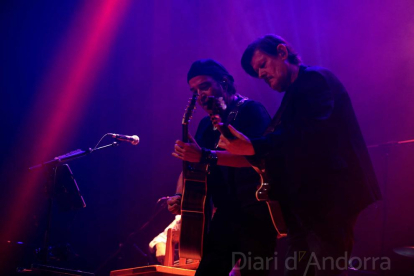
203	98
261	74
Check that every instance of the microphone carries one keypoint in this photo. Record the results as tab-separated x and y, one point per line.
134	139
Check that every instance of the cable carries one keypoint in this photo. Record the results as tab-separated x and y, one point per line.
99	142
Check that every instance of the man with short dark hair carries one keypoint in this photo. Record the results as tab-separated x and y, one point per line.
315	154
241	227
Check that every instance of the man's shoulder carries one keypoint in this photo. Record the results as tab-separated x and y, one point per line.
251	105
254	109
250	101
205	122
312	72
318	79
252	119
316	70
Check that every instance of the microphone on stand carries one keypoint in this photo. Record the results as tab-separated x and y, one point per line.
134	139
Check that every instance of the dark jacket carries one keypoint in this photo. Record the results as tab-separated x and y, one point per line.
317	157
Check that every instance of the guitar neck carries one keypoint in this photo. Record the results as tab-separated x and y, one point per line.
185	140
185	133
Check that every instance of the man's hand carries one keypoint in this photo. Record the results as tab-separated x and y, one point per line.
160	252
174	204
241	145
190	152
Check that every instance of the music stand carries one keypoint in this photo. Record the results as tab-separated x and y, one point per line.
67	195
61	188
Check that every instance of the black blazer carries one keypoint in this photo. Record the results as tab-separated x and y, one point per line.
317	157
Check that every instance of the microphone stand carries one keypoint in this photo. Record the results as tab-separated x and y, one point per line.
51	169
70	156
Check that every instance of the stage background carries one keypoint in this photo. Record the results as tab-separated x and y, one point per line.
72	71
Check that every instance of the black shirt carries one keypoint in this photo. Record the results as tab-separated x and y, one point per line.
235	188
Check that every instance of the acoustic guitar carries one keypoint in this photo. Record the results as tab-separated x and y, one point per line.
193	199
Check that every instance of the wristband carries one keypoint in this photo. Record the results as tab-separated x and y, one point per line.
208	157
204	155
178	194
212	158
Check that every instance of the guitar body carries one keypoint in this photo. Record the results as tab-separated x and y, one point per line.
262	194
192	212
193	199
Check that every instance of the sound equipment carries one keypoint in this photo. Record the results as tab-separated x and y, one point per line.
153	270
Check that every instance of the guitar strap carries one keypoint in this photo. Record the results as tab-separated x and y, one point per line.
285	102
235	110
276	120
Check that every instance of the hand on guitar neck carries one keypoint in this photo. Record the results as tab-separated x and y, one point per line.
190	152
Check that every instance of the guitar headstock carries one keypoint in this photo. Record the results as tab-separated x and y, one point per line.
217	107
188	114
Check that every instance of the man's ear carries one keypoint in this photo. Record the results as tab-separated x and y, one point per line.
282	51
